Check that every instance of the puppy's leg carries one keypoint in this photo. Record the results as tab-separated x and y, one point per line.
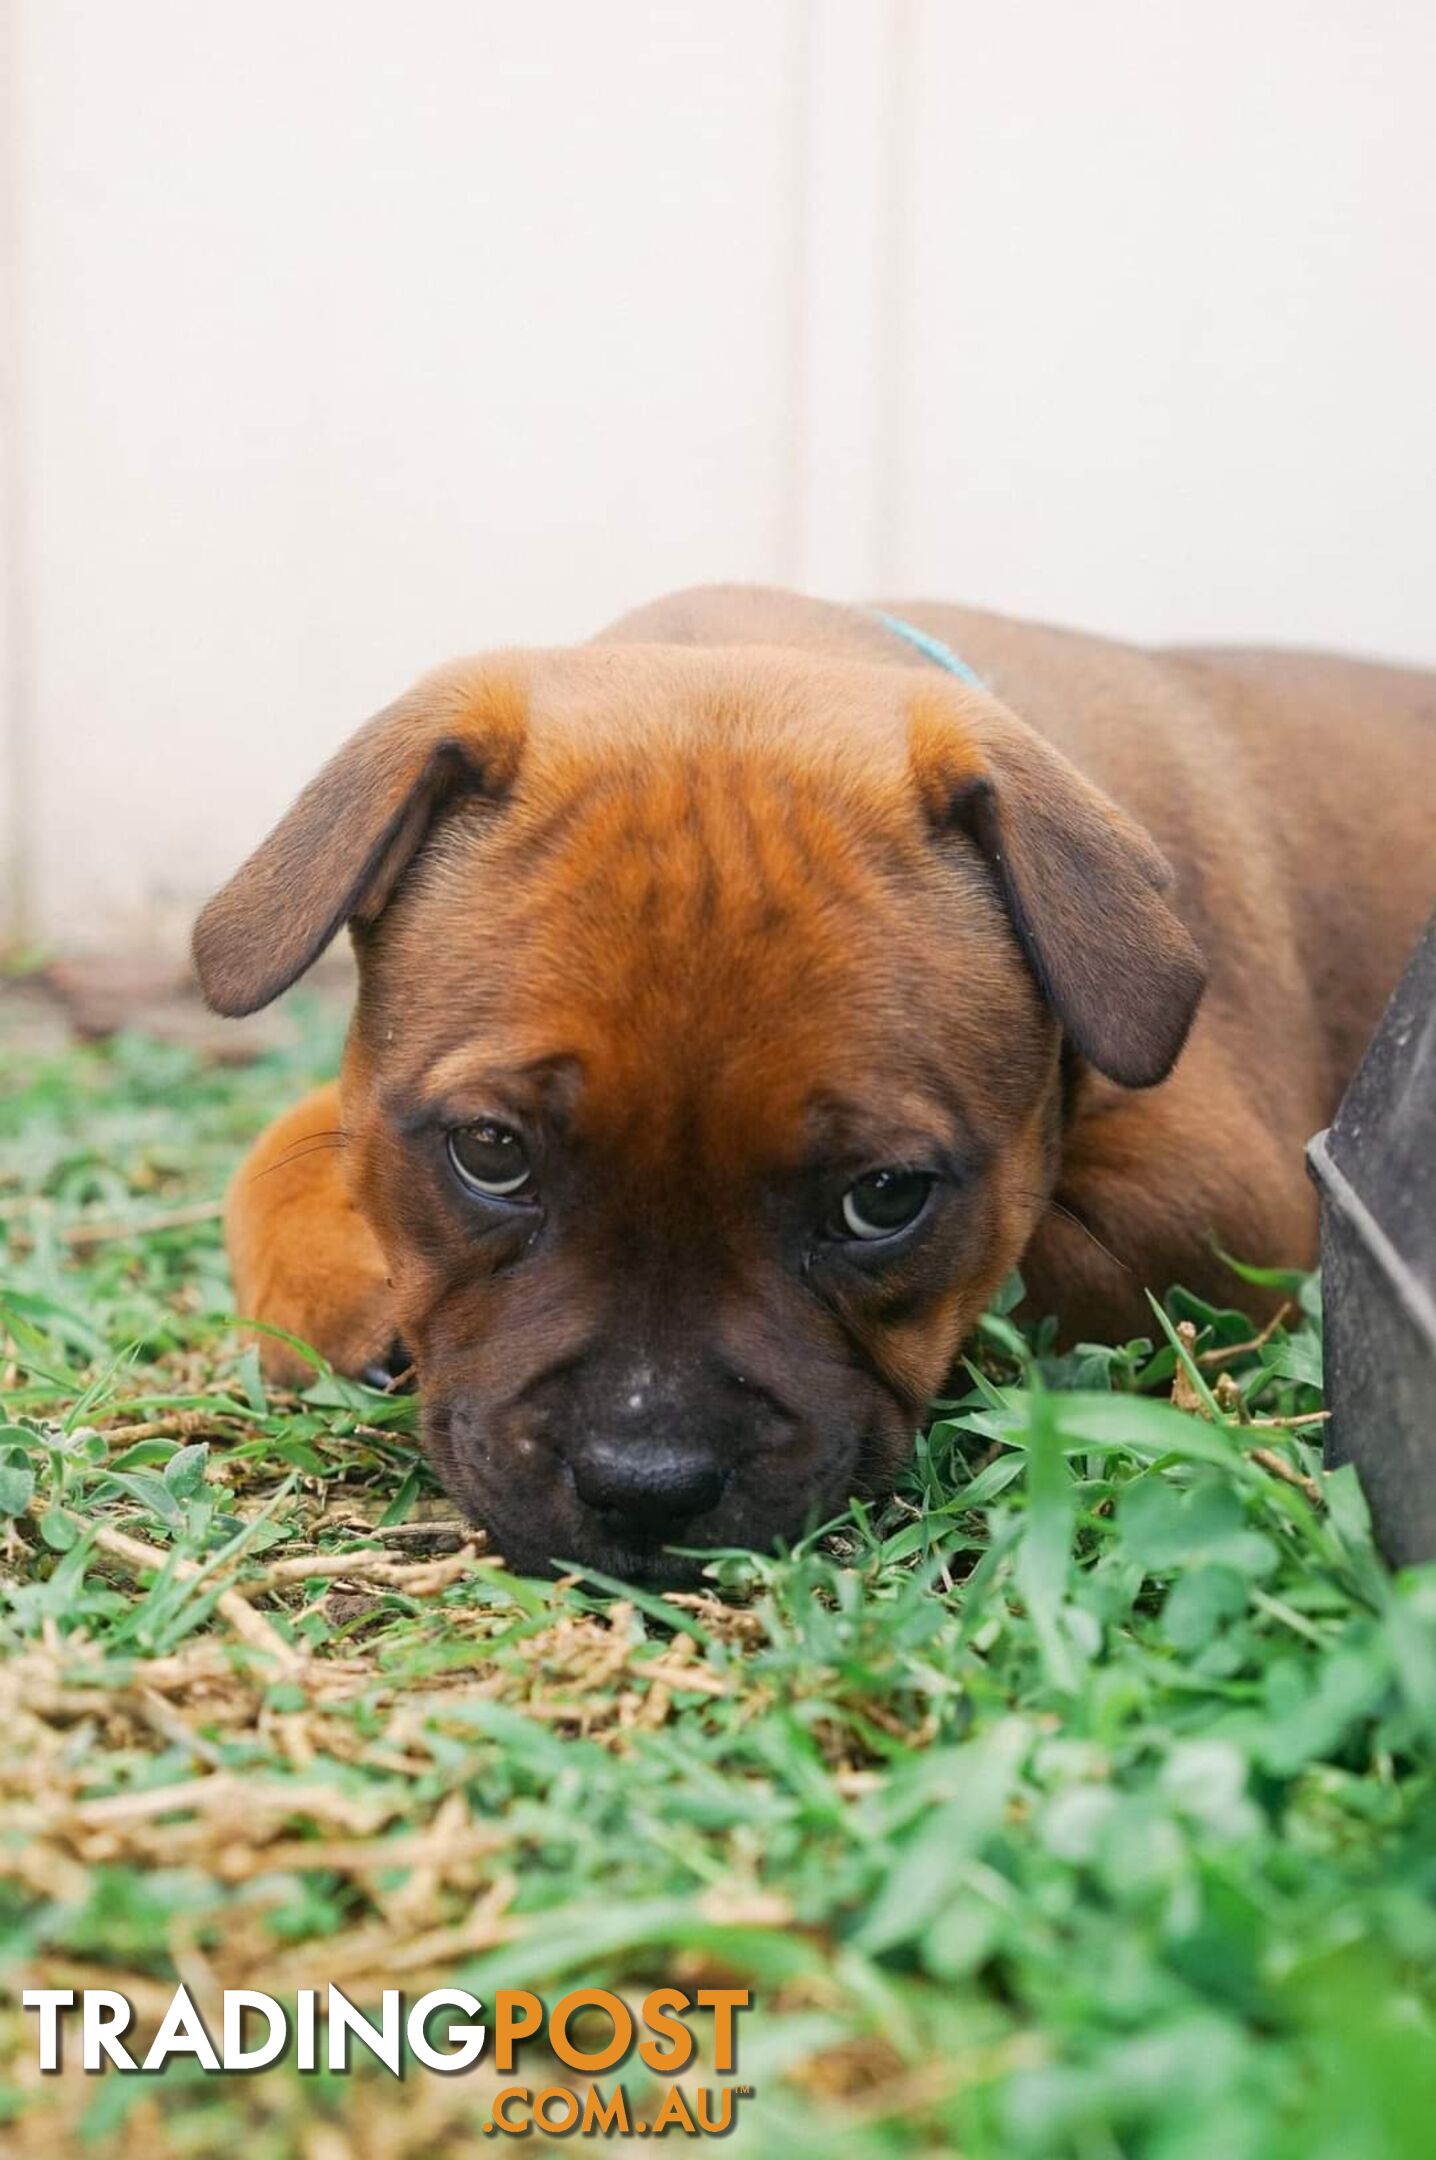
1155	1188
302	1256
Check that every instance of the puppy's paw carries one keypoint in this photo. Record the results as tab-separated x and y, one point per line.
304	1259
352	1332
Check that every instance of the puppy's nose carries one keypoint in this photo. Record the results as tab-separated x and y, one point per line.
647	1489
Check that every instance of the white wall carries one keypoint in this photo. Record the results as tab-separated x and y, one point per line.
340	336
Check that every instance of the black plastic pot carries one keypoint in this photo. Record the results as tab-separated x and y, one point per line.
1375	1167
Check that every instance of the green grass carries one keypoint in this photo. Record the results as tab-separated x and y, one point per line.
1075	1804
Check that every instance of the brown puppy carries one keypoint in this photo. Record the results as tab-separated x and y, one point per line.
742	996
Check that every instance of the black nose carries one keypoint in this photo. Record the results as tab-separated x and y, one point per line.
645	1488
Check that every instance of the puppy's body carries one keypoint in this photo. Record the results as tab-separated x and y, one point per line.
747	878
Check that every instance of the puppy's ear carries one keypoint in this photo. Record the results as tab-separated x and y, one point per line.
338	853
1082	884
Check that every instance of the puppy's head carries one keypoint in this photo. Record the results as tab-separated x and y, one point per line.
703	1083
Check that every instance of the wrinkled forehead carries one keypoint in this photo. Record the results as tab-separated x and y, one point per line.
706	932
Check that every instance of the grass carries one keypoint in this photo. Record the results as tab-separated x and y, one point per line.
1075	1804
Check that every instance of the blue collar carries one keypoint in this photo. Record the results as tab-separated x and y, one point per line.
931	647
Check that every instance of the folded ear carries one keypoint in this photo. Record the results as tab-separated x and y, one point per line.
1082	884
339	851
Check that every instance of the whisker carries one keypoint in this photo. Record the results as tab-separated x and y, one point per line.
1086	1229
310	1144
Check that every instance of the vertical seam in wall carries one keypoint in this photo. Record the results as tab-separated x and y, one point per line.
895	295
793	506
16	743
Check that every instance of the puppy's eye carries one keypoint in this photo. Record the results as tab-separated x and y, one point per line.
491	1160
884	1202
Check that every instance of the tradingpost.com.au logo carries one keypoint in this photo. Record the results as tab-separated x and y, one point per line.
258	2032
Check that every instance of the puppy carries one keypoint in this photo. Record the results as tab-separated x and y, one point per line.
743	995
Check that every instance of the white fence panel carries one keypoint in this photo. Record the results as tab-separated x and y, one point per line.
339	337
